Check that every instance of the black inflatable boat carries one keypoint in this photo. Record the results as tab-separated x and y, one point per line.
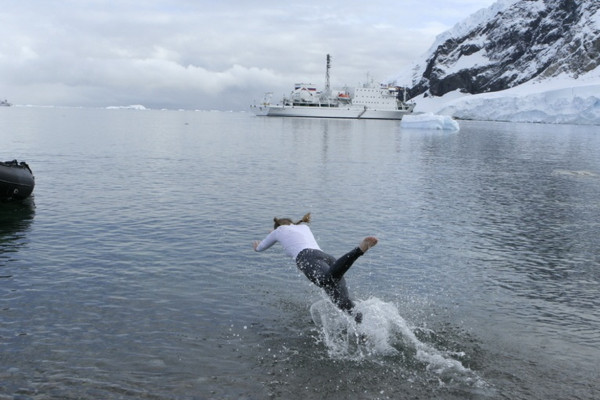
16	180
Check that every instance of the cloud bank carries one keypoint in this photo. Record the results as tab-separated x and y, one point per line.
204	54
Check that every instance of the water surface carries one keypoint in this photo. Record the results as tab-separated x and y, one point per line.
130	273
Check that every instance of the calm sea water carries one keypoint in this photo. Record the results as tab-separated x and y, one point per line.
130	273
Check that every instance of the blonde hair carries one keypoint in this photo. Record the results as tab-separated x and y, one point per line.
288	221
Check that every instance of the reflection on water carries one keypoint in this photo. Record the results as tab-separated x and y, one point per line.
15	219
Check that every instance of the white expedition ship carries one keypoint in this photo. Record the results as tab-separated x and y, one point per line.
367	102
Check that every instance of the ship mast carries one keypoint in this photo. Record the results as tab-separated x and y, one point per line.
327	87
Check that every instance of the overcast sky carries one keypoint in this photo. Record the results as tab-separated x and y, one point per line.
197	54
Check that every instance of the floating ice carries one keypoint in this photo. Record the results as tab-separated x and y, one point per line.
429	121
131	107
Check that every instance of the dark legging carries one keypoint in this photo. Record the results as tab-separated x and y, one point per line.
328	273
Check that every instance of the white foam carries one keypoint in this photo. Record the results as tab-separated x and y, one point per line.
382	333
578	174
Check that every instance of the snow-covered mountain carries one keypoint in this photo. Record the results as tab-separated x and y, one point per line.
515	49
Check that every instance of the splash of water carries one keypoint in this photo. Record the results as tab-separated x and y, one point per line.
384	334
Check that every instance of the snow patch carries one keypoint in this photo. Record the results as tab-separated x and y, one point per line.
478	59
595	18
562	100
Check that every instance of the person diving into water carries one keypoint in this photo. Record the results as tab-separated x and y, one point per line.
319	267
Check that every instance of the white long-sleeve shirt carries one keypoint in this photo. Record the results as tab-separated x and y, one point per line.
293	238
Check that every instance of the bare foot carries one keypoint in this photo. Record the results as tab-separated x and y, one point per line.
367	243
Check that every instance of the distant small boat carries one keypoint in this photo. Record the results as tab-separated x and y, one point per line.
5	103
16	180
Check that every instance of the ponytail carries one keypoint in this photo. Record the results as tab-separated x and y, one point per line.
305	219
286	221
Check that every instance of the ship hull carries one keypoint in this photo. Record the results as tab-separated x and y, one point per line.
331	112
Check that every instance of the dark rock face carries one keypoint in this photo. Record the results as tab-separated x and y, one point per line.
529	39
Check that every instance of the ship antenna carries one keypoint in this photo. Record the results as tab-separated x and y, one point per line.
327	87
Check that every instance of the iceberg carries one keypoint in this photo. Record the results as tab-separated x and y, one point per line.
131	107
429	121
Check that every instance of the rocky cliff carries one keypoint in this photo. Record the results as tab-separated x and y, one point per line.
508	44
